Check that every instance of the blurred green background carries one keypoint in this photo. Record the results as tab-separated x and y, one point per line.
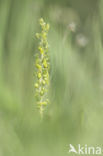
75	113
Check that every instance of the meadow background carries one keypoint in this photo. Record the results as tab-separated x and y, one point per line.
75	113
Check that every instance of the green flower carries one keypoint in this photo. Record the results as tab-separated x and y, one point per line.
39	75
45	64
36	85
42	67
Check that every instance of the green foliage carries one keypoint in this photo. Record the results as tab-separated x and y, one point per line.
76	77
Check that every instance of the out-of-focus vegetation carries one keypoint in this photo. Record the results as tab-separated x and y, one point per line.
76	94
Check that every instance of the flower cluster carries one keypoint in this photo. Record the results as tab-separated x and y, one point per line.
42	67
